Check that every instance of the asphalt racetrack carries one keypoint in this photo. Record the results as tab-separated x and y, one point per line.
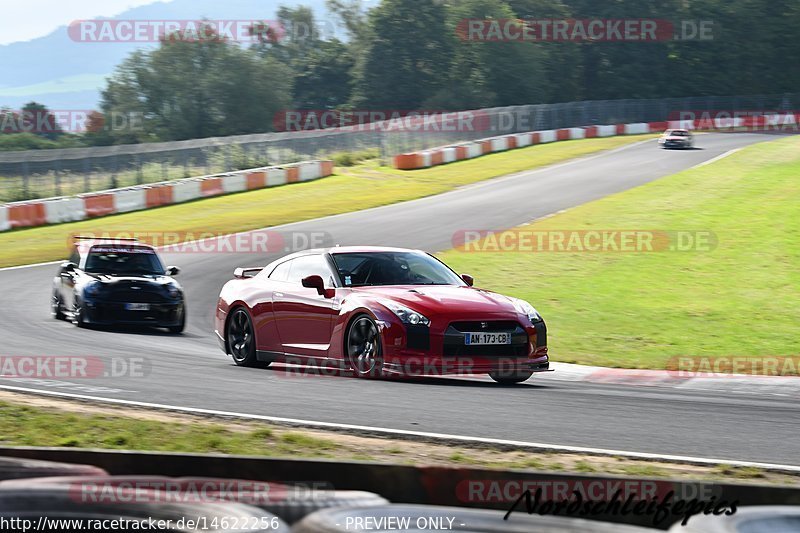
189	370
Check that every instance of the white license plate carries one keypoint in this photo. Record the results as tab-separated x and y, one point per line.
483	338
137	307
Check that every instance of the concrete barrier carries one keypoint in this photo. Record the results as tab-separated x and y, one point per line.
127	200
98	204
637	129
524	139
448	155
606	130
102	203
499	144
547	136
310	171
234	183
68	209
577	133
276	176
473	150
186	190
425	159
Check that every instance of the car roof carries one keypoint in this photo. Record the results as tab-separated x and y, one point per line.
85	245
343	250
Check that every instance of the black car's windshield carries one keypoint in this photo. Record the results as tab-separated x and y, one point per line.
392	268
122	260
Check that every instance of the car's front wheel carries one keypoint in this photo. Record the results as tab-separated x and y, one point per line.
242	340
364	351
510	378
78	314
178	328
56	307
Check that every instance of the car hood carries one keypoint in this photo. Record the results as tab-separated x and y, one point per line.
125	280
431	300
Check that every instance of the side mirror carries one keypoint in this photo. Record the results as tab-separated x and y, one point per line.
316	282
68	267
244	273
173	271
469	280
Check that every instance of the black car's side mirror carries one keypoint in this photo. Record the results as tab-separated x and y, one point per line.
173	271
469	280
316	282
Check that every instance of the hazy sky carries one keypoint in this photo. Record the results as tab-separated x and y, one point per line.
26	19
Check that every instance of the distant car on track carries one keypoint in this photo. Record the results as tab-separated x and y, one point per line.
116	282
676	139
377	311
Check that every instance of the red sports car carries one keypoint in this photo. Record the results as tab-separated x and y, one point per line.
377	311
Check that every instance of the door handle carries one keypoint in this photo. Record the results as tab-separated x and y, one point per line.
279	294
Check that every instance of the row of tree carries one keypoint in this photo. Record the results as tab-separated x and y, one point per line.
410	54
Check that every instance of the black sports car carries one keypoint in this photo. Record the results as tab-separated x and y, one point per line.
117	282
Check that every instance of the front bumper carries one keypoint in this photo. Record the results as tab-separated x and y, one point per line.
418	350
676	144
163	314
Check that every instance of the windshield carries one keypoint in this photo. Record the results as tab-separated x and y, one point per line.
115	260
393	268
679	133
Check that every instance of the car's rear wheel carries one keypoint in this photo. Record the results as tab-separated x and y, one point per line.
364	352
242	340
510	378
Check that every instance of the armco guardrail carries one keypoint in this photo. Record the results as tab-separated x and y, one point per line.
435	485
467	150
42	173
115	201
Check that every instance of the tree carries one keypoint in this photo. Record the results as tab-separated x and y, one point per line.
197	88
406	55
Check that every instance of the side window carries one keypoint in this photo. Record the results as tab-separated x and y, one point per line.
75	257
310	265
281	272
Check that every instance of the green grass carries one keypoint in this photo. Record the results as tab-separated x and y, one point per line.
638	310
363	186
72	425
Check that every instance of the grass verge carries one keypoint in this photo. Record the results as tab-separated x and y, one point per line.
37	421
641	310
359	187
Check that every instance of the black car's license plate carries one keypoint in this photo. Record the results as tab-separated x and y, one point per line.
137	307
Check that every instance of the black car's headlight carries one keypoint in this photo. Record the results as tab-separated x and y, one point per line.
406	315
173	291
93	289
528	310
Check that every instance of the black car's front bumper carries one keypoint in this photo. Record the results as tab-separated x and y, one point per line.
161	314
